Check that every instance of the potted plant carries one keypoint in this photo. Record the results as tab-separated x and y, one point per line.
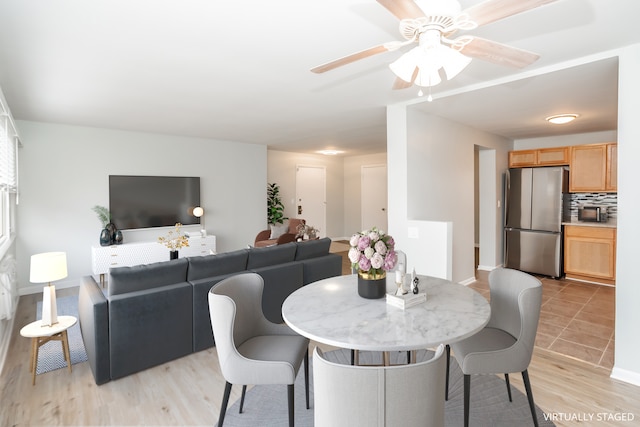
275	207
108	233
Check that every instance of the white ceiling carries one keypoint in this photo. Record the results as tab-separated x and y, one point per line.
239	70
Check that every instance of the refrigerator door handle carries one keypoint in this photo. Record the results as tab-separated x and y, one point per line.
507	188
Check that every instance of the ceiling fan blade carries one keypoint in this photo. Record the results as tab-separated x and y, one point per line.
498	53
400	84
493	10
350	58
402	9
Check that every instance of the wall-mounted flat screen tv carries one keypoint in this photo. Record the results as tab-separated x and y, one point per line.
153	201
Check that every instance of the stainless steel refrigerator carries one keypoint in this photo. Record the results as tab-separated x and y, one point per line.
536	202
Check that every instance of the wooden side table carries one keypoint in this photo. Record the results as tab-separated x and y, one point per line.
41	335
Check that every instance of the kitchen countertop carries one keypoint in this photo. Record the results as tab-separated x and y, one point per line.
611	223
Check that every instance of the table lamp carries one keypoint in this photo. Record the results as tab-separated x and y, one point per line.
198	212
46	268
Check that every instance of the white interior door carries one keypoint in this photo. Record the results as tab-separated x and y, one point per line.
311	204
374	196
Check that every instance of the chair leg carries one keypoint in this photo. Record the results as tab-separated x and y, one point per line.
446	385
506	379
467	393
244	391
291	403
527	387
306	376
225	402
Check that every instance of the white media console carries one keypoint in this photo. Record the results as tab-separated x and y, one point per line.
128	254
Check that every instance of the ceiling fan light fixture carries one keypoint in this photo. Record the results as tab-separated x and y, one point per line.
560	119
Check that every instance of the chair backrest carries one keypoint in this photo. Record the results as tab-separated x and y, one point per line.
235	305
407	395
294	223
516	298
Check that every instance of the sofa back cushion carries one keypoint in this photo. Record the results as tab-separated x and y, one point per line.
312	248
201	267
142	277
271	255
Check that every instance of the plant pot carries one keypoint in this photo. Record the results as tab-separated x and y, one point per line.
105	237
173	255
372	286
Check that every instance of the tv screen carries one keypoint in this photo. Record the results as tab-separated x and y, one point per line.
153	201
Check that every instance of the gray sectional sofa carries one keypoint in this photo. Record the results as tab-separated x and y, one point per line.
158	312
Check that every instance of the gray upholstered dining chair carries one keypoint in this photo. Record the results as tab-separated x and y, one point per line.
506	344
251	349
367	396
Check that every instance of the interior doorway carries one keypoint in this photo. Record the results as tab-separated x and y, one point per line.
373	191
311	197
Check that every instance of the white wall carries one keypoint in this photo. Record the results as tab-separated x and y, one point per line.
281	167
440	180
64	172
627	351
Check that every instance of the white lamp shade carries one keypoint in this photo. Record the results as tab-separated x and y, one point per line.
48	267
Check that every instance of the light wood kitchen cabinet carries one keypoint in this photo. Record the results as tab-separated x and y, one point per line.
555	156
590	253
612	168
593	168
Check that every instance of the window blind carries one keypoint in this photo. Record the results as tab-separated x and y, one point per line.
8	155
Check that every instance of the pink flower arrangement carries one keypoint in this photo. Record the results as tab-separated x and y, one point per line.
372	252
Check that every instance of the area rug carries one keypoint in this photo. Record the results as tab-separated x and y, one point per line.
266	405
50	355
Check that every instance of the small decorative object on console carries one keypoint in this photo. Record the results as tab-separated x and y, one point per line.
372	254
174	241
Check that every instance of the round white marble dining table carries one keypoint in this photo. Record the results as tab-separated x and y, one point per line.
330	311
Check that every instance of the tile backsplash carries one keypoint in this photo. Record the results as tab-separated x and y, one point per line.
609	200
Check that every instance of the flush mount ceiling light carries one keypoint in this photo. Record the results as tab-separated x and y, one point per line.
560	119
330	152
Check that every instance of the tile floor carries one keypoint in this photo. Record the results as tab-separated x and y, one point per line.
576	319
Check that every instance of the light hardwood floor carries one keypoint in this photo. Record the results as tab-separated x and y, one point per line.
188	391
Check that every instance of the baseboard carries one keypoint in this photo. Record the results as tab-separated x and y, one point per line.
486	268
626	376
468	281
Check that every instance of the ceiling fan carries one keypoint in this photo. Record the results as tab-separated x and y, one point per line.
430	24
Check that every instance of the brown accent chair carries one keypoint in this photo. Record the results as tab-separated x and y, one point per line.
264	239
